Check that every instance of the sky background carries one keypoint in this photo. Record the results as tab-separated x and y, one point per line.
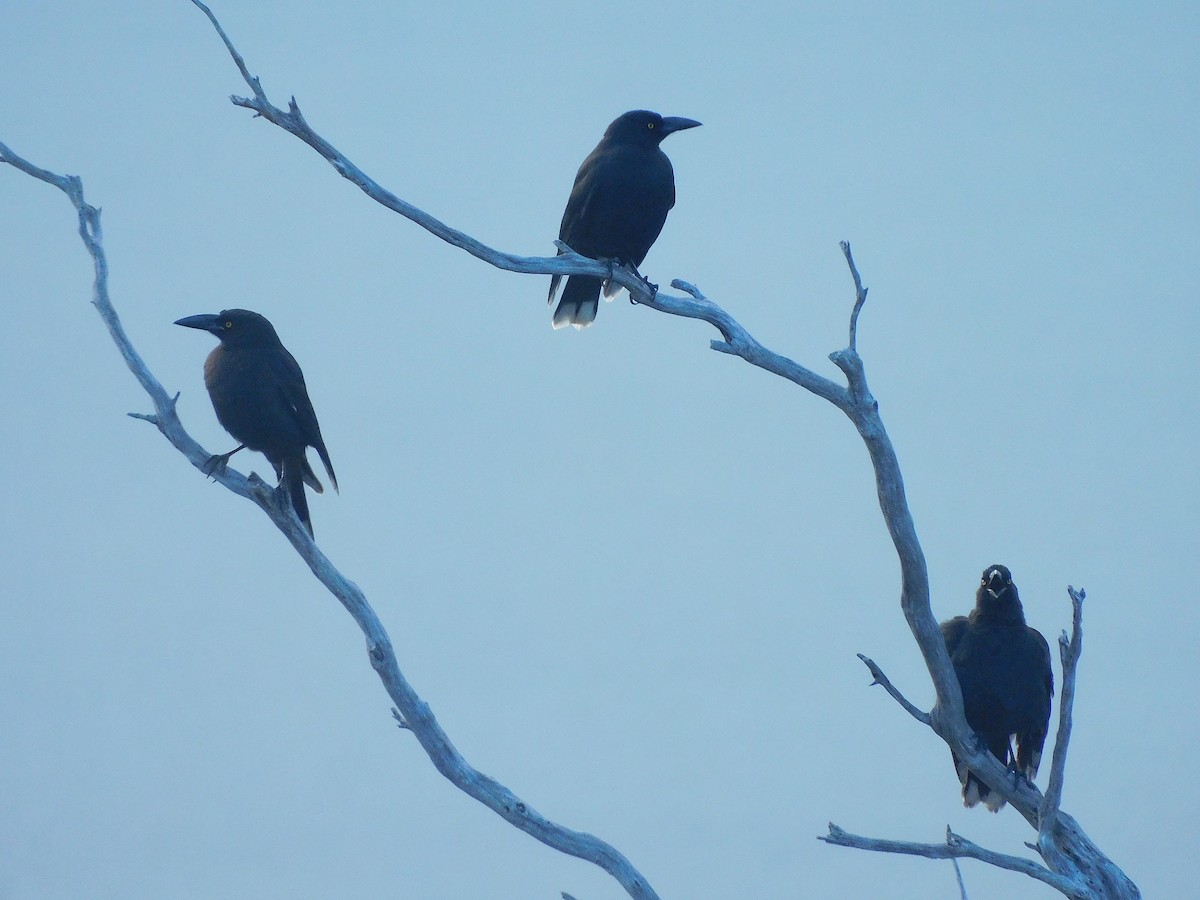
629	574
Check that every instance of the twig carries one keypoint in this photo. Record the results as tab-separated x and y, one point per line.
860	296
962	887
882	680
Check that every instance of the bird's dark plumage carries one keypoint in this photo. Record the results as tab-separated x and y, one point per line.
1003	667
622	194
259	395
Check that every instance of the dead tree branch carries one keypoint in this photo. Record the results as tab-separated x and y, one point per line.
1069	649
411	712
956	847
878	678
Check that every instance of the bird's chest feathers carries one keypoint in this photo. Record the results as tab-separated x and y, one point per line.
993	666
633	177
245	394
230	373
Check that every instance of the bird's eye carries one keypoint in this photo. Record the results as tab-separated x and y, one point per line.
650	125
228	324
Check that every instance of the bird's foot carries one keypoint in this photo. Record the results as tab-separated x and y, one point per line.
1018	775
980	743
217	463
650	285
282	498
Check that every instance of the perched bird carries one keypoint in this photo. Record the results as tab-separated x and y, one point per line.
258	393
1003	667
622	194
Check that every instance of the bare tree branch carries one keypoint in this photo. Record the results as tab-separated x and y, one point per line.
737	340
883	681
956	847
860	297
962	885
411	712
1069	650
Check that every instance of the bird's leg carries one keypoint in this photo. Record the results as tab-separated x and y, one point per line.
1014	769
215	464
981	743
651	286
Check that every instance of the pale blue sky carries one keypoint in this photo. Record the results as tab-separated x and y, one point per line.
629	574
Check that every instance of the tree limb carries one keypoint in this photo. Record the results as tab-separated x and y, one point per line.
962	885
1069	650
737	340
883	681
956	847
411	711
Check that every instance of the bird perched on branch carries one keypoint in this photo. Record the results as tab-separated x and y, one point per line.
622	194
1003	667
259	395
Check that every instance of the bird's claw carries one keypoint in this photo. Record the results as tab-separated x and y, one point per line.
650	286
215	465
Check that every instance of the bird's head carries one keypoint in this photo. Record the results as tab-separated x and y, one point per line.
996	580
234	327
645	127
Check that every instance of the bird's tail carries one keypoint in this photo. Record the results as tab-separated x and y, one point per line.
296	471
311	479
580	302
975	791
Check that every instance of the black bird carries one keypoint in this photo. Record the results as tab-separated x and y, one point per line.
622	194
258	393
1003	667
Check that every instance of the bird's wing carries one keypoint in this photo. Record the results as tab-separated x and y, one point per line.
290	380
1040	641
953	631
572	230
1031	739
589	185
554	280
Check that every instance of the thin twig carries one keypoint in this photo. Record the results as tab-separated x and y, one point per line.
962	887
860	296
881	679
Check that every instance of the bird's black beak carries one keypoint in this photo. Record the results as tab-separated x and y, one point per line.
995	584
204	323
671	124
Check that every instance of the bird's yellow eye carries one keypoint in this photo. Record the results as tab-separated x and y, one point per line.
650	125
228	324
